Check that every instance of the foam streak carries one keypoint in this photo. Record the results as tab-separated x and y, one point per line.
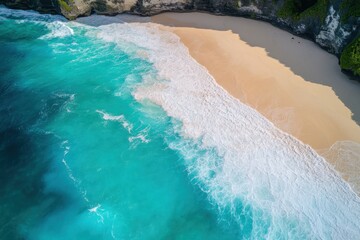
267	169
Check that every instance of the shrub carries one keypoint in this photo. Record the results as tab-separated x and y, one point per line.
64	5
298	9
350	8
350	57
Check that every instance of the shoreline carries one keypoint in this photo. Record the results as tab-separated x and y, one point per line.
127	115
276	78
324	121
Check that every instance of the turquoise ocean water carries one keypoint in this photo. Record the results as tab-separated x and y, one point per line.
82	158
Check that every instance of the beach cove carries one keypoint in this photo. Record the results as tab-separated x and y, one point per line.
125	128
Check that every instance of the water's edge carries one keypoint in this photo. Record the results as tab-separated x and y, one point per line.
115	166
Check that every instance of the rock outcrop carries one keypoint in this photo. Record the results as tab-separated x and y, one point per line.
333	24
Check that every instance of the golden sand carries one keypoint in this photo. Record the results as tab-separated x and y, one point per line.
311	112
239	52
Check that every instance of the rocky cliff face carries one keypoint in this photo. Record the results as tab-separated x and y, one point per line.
333	24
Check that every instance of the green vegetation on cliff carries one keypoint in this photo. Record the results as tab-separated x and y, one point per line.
298	9
350	8
64	5
350	57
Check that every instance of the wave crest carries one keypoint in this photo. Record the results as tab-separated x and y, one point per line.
265	175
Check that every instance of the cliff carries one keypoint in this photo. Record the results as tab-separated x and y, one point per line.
333	24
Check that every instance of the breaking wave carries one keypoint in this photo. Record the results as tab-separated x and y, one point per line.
265	175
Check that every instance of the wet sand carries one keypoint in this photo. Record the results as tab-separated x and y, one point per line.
290	80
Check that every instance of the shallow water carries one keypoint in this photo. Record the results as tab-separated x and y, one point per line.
88	152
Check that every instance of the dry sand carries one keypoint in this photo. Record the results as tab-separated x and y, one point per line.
290	80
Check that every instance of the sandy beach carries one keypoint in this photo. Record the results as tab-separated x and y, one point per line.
290	80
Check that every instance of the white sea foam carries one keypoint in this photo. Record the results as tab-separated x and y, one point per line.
95	210
98	210
77	182
56	24
58	29
68	169
284	181
120	118
141	137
